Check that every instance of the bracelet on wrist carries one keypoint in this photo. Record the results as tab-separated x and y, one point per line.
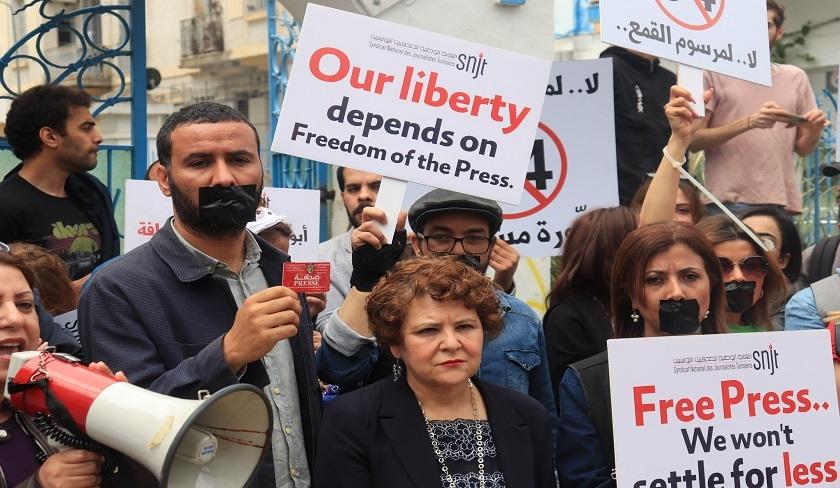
676	164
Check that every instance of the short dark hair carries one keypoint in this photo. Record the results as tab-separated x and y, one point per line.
339	175
778	12
38	107
199	113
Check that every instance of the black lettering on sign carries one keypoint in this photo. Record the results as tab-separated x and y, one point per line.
539	176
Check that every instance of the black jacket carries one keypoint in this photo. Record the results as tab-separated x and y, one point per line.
160	316
94	200
576	327
376	437
641	88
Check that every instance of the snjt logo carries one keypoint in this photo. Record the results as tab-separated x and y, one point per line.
766	359
472	64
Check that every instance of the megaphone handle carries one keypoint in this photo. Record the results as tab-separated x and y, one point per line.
47	426
59	414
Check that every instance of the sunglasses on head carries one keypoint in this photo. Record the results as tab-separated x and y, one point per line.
750	266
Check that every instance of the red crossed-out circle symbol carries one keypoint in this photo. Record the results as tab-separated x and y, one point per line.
554	152
703	6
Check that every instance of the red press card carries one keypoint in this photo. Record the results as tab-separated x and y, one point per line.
307	277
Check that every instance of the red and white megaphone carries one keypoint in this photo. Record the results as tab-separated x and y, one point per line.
219	440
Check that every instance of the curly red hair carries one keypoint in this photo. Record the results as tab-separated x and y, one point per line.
444	278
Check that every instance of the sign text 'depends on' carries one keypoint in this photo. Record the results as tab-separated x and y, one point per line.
411	104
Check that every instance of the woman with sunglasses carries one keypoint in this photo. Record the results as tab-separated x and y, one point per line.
755	286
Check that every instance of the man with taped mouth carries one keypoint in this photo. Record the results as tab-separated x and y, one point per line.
199	306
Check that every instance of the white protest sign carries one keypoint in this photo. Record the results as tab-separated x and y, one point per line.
69	320
412	105
147	210
389	199
303	210
730	410
728	37
692	80
573	166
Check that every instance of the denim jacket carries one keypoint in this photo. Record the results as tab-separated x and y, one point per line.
516	359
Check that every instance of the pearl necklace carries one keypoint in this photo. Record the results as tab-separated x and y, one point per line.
479	441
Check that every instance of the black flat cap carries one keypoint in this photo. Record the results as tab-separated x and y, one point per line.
441	201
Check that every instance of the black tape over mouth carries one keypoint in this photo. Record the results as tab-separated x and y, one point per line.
739	295
225	207
679	317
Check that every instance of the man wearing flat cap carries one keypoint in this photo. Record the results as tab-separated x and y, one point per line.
445	223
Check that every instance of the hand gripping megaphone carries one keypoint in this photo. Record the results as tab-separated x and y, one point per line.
219	440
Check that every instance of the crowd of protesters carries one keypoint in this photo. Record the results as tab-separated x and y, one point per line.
444	377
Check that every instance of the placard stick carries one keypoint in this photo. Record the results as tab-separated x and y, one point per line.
390	199
691	79
723	208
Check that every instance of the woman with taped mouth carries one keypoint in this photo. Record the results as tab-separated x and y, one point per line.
666	281
754	284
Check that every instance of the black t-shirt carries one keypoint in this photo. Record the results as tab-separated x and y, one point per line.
58	224
641	88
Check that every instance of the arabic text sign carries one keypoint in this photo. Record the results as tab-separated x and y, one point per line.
303	209
749	410
147	210
573	166
571	169
725	36
412	105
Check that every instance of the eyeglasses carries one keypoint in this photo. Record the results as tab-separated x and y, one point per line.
751	266
5	247
446	243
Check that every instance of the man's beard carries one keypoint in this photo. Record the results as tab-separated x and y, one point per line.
355	216
210	225
78	163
